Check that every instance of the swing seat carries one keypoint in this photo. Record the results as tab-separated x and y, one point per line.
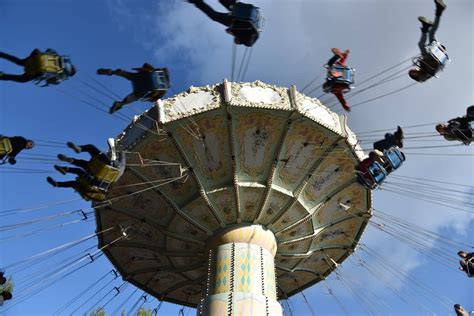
102	172
394	158
438	56
43	64
90	183
152	82
246	17
436	50
49	67
374	177
346	78
5	146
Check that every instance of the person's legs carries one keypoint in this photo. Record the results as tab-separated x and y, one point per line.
118	72
76	162
81	163
228	3
13	59
426	25
440	6
332	60
88	148
342	100
124	74
17	78
65	170
344	55
222	18
433	29
132	97
66	184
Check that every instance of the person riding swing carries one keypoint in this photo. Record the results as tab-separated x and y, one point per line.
459	129
243	20
48	67
434	55
94	177
340	77
10	147
149	84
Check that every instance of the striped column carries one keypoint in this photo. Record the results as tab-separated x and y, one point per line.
241	273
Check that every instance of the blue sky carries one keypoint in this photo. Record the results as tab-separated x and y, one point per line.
295	44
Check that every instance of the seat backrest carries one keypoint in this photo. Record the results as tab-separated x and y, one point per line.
5	146
438	53
377	172
150	81
102	172
394	157
246	17
347	74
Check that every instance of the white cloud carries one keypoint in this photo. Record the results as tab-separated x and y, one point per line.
293	48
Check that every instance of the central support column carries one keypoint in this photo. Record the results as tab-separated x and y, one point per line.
241	273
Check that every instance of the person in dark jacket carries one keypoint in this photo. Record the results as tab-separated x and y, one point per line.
460	311
459	128
428	65
10	147
149	83
243	32
35	70
390	140
467	262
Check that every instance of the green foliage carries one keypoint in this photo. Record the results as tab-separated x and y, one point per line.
144	312
98	312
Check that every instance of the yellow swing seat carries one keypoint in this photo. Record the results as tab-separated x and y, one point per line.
44	64
5	146
102	171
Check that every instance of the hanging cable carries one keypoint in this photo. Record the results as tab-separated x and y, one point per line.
242	63
103	86
93	296
305	299
381	96
234	53
331	292
31	233
397	271
431	180
86	290
246	67
58	248
136	304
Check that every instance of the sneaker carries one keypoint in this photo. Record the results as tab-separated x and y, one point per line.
337	51
346	107
64	158
103	71
399	137
52	182
60	169
117	106
440	5
425	22
399	133
74	147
